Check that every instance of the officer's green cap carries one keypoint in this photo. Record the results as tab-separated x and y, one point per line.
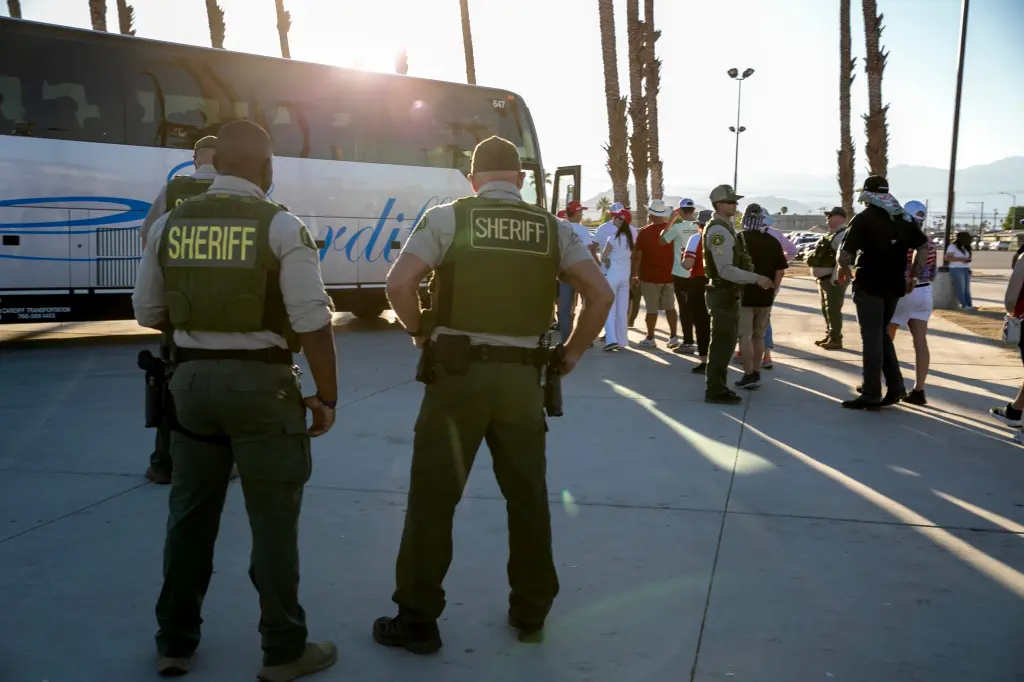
724	193
495	154
208	142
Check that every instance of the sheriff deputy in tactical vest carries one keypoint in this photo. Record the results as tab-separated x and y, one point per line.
832	283
238	279
494	258
728	267
180	187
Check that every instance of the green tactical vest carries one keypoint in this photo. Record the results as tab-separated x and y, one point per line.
498	276
740	256
219	272
825	251
182	187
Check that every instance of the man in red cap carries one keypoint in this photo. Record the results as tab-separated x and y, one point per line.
566	295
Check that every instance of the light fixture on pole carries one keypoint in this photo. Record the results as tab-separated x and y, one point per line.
737	129
1012	196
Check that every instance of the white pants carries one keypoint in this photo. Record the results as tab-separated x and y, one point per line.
616	328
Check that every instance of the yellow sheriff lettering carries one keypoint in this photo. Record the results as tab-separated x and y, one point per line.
201	236
216	234
173	247
187	243
234	237
247	239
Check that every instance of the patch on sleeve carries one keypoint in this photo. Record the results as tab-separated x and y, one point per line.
307	238
717	240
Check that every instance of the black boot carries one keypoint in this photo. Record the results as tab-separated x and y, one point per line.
418	638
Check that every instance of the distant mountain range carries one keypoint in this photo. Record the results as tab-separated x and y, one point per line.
804	194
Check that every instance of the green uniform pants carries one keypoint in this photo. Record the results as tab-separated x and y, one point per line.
502	404
257	407
832	297
724	308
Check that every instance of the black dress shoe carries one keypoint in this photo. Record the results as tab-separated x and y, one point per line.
859	403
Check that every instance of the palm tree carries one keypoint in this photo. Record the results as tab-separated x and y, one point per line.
125	18
637	109
618	154
603	204
467	43
284	24
784	210
874	122
14	9
215	15
652	78
98	14
533	179
846	153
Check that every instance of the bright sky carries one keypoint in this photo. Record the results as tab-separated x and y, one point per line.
790	105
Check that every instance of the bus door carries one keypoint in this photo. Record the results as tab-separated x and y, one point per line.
566	187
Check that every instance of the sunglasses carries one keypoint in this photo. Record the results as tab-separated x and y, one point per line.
729	202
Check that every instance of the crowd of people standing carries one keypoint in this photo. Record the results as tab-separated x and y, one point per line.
716	279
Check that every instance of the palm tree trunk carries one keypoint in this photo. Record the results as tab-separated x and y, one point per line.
652	77
284	24
215	15
618	153
637	109
14	9
98	14
846	152
467	42
877	129
125	18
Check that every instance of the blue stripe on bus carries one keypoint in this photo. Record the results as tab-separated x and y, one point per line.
131	208
70	260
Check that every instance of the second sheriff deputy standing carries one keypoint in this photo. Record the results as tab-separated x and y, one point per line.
495	258
238	278
728	267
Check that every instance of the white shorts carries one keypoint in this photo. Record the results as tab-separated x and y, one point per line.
917	305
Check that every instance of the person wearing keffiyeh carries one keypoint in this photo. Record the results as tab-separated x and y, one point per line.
878	239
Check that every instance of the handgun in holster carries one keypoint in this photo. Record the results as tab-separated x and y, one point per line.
551	378
156	387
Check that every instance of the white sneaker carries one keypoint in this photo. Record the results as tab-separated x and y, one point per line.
648	343
673	342
684	349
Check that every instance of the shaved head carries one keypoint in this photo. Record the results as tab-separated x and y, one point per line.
244	150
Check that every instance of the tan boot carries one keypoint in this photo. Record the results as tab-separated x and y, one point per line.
171	667
317	656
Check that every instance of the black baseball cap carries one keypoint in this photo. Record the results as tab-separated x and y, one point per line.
875	183
839	210
495	154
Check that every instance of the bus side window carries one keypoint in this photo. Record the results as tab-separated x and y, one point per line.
68	91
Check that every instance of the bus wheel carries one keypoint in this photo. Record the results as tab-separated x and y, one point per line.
368	313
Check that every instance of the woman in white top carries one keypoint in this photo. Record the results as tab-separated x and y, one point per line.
958	258
617	255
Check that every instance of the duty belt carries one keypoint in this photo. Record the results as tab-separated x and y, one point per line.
508	354
273	355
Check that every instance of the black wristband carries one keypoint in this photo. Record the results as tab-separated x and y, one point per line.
329	404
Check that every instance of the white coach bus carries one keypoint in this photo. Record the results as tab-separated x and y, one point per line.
93	124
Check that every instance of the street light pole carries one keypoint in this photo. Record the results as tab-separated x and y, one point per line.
981	226
735	74
950	193
1012	196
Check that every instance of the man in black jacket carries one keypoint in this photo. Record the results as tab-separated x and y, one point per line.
878	240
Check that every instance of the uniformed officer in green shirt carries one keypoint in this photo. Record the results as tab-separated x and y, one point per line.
238	279
494	259
728	267
179	188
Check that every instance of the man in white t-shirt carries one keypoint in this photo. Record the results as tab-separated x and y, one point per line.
566	295
678	235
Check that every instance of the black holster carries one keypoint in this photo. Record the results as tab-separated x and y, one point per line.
425	367
156	387
452	352
551	378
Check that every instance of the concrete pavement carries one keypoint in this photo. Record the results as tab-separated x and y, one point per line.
783	539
